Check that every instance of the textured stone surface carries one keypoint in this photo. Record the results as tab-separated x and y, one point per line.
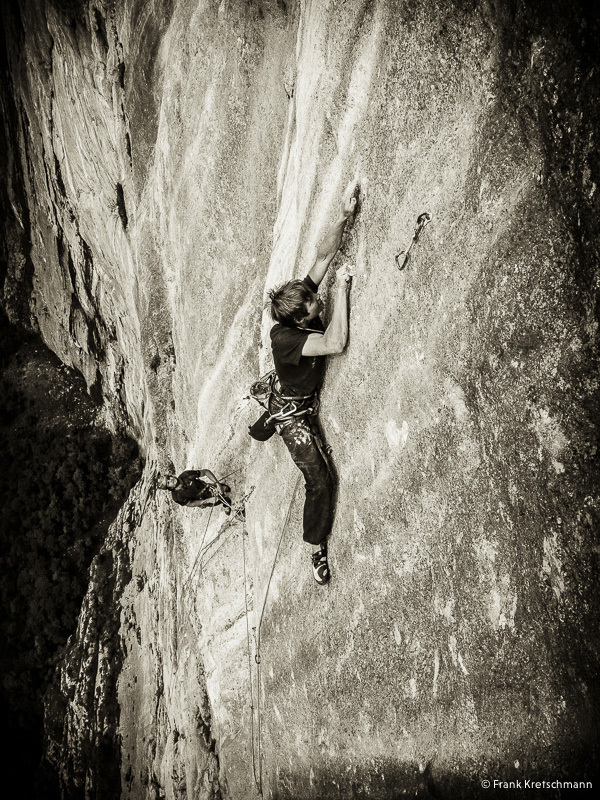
458	637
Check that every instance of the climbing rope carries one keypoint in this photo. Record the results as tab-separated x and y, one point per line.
188	582
422	220
255	736
256	631
256	780
199	560
237	510
206	561
199	554
239	469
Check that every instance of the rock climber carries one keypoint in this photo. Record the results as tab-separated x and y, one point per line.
300	343
196	488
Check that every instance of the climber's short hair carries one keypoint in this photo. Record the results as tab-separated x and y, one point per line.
289	302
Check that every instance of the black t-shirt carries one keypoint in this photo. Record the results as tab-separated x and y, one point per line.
193	487
298	374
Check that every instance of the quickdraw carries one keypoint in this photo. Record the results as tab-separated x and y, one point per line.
256	740
294	405
292	409
403	256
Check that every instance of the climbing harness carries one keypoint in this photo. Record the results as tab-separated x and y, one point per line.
257	759
280	408
268	387
403	256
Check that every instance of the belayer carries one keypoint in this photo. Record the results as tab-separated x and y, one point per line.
196	488
300	343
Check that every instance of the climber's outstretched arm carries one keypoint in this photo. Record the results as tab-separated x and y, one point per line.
335	337
221	487
206	473
333	238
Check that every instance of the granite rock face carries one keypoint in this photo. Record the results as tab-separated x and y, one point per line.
170	162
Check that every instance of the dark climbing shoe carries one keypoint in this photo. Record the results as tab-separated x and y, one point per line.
321	567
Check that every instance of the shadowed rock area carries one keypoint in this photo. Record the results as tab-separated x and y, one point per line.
168	163
64	478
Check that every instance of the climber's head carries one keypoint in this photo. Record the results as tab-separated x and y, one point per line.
167	482
294	303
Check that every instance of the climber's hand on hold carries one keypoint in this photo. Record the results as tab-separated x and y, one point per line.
333	238
343	276
334	340
349	198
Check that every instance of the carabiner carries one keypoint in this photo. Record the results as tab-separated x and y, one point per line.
422	220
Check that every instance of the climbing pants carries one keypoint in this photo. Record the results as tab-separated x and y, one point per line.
300	436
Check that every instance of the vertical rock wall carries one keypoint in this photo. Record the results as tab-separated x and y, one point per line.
461	415
179	159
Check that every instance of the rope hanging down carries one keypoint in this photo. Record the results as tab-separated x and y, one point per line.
190	577
258	758
237	512
256	780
